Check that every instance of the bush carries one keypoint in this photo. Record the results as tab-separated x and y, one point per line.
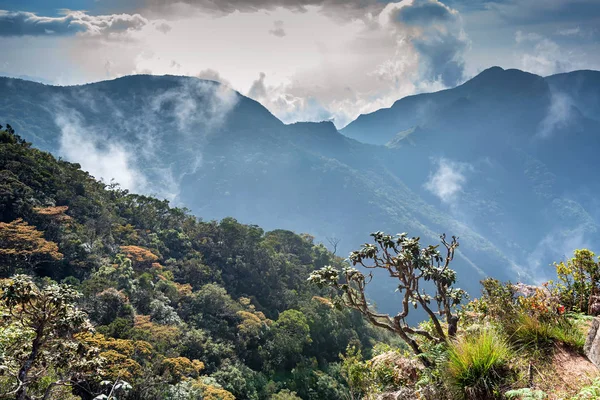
477	365
537	335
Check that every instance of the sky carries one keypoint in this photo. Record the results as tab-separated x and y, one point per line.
305	60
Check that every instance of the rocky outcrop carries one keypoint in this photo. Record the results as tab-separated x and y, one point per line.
592	343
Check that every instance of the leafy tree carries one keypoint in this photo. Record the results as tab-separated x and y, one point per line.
23	246
579	278
40	349
291	333
285	394
412	266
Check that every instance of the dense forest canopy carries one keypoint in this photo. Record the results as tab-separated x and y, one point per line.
179	307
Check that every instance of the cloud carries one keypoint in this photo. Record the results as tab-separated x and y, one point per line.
448	180
278	29
130	149
23	23
232	6
560	113
330	65
258	90
435	30
543	56
423	13
556	246
570	32
535	12
103	159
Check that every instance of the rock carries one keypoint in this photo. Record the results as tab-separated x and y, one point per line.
402	394
406	370
592	343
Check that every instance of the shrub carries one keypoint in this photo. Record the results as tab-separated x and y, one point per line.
477	365
538	335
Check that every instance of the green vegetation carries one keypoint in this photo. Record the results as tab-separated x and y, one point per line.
106	294
103	289
478	364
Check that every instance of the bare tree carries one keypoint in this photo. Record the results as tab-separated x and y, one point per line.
404	260
333	241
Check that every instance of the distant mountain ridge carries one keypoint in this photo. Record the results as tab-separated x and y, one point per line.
222	154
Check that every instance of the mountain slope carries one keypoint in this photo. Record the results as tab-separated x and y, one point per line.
522	148
221	154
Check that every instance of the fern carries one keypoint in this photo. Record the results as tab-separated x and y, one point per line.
526	394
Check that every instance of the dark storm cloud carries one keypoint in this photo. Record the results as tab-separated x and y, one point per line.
425	12
442	58
440	40
22	23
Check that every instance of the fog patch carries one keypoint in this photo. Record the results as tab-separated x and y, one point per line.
448	180
558	117
104	159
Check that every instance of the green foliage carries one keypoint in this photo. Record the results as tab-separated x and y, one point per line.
578	281
285	394
39	350
478	365
526	394
589	392
403	259
162	287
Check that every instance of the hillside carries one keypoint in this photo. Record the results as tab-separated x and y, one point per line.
228	296
106	294
521	147
221	154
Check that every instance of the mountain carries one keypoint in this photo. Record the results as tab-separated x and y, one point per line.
523	147
480	146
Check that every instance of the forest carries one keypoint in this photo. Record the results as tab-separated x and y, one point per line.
126	288
105	294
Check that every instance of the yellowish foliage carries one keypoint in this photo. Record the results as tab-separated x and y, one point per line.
180	367
139	255
118	354
183	290
56	213
323	301
157	332
20	240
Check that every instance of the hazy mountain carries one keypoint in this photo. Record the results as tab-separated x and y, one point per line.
523	148
487	161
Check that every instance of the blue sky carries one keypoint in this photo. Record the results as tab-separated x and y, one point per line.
306	59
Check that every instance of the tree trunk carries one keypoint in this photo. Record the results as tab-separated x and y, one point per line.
24	371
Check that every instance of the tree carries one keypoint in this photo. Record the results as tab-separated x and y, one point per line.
579	278
21	245
404	259
334	242
41	350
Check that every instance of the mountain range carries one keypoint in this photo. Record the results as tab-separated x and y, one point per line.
505	161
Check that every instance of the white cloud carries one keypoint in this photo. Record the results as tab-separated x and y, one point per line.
558	116
334	60
544	57
448	180
190	111
102	158
23	23
557	245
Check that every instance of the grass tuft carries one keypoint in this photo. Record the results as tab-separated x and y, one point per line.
478	365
